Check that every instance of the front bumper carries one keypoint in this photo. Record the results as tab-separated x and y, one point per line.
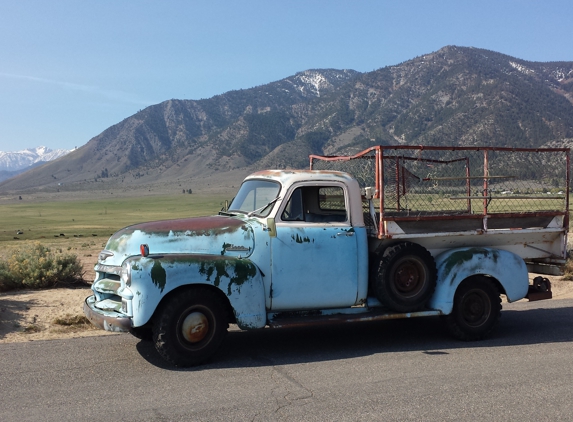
106	320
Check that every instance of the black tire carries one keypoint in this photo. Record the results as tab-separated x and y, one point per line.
142	333
477	309
190	327
405	277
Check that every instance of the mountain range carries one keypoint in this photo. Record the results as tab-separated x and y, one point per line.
456	96
16	162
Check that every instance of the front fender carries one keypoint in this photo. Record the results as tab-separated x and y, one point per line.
455	265
155	276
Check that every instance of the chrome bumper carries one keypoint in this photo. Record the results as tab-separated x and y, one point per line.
106	320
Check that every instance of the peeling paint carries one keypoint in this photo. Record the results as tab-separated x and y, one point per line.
225	246
107	286
243	271
457	265
217	267
203	235
461	257
300	239
158	275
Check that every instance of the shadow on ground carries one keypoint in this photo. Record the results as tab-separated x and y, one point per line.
520	324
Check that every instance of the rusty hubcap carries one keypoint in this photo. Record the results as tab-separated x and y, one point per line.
195	327
409	277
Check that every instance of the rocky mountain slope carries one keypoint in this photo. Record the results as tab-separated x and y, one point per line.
455	96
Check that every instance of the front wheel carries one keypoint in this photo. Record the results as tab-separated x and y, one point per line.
190	327
477	309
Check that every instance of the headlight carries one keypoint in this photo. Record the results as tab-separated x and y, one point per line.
126	274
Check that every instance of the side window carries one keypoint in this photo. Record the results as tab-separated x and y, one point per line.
316	204
294	209
331	199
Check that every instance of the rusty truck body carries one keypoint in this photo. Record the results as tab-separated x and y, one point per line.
391	232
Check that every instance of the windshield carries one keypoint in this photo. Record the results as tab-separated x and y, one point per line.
256	195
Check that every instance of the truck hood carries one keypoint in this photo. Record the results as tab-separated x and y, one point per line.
217	235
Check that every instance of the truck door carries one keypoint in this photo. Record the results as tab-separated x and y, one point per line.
314	254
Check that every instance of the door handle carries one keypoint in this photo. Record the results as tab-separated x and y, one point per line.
348	233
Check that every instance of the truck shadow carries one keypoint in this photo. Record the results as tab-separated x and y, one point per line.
519	325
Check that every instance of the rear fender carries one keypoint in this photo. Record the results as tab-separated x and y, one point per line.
155	276
455	265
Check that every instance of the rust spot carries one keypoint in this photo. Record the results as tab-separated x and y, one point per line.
197	225
195	327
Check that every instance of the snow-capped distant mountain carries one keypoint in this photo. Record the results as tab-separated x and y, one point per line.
18	160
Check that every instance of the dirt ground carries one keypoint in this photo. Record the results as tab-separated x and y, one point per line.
31	315
28	315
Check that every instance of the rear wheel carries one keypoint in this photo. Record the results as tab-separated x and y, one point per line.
477	309
190	327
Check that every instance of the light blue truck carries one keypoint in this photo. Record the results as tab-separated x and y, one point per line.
400	232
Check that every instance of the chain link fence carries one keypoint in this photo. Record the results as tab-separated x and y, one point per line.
439	181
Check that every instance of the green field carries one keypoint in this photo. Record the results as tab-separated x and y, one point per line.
498	204
101	218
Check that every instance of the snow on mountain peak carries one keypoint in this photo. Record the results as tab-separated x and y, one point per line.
314	80
18	160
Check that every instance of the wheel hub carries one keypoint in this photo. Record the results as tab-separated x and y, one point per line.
195	327
407	278
475	309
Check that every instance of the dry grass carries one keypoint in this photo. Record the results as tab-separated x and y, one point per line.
69	320
568	270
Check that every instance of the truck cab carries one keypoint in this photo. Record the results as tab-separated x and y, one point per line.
315	220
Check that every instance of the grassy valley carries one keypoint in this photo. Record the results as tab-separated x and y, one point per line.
82	227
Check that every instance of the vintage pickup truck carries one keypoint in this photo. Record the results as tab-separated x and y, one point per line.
391	232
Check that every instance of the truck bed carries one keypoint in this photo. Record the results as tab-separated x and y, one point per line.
514	199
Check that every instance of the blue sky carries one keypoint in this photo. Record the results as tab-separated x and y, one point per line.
70	69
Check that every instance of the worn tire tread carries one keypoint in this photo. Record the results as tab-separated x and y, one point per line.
164	327
382	284
457	329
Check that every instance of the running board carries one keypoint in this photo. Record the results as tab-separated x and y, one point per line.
314	319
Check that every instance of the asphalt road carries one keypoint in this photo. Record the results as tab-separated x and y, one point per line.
392	370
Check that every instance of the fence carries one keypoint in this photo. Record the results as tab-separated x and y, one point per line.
439	183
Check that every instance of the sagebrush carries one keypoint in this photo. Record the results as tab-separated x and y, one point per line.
36	267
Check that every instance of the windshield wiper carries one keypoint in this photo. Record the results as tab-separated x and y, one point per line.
250	214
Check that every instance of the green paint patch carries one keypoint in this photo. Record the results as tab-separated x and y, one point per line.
159	275
467	255
300	239
243	272
219	268
225	246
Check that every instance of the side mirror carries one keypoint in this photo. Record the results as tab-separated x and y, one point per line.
271	227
